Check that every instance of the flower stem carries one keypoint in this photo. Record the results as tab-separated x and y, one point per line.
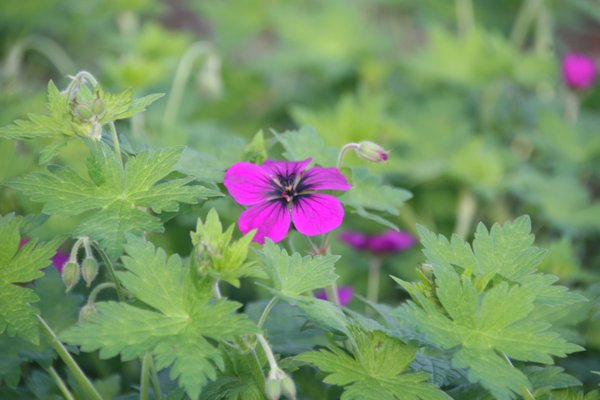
523	22
266	311
268	352
343	151
216	290
571	107
465	213
60	383
154	381
374	278
182	74
111	271
98	289
115	139
145	376
63	353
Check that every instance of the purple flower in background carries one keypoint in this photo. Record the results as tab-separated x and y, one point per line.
345	294
387	242
579	71
59	259
281	192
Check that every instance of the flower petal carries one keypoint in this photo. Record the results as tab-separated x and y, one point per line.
358	240
319	178
247	183
315	214
285	168
271	219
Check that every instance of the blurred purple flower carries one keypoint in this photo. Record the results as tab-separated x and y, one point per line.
579	71
59	259
281	192
345	294
387	242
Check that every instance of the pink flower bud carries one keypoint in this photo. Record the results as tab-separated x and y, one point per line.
371	151
579	71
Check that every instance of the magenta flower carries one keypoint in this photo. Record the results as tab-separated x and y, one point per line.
579	71
345	294
281	192
387	242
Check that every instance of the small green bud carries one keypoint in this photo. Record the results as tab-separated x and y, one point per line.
83	112
288	388
71	274
89	270
86	311
273	388
98	107
371	151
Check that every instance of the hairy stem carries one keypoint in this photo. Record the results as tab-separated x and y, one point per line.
266	311
63	353
98	289
571	107
343	151
60	383
111	271
268	352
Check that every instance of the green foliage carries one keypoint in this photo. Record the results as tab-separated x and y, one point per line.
62	120
20	266
484	314
306	143
360	198
115	200
216	254
375	369
176	326
294	275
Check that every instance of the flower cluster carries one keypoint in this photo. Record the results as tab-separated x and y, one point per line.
280	192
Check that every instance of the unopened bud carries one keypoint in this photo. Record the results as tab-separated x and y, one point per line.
71	274
288	388
273	388
89	270
83	112
98	107
86	311
371	151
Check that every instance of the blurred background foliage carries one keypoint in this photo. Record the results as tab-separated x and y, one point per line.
467	95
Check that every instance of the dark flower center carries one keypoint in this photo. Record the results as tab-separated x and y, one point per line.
288	187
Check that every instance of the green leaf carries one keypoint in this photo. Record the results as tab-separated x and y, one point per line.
485	316
306	143
114	199
175	325
376	369
293	275
62	120
17	315
58	123
256	152
505	250
360	200
217	255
